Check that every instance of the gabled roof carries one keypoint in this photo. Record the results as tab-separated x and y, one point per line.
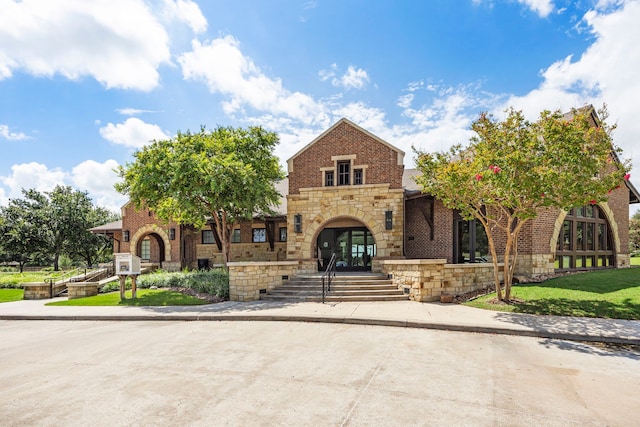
353	125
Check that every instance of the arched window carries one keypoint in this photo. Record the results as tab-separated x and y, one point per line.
585	240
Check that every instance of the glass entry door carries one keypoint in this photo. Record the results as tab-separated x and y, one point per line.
354	248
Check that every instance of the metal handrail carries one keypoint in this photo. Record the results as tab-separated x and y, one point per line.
328	274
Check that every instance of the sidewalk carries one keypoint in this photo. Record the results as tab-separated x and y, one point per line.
408	314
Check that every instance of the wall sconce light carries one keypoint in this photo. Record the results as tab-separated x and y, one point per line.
297	223
125	236
172	234
388	220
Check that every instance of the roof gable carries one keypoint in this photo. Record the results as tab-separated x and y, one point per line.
343	120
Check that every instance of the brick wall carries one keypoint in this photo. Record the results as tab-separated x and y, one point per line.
345	139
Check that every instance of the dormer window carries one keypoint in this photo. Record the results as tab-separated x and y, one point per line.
344	173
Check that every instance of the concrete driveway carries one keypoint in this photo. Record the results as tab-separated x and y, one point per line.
281	373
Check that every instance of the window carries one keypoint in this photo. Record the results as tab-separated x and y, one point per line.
283	234
235	236
259	235
328	179
145	249
125	236
357	177
208	237
471	243
344	173
584	241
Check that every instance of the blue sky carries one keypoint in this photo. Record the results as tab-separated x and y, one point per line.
84	84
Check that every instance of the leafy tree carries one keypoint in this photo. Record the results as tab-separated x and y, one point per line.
226	175
514	168
634	232
47	225
85	245
20	228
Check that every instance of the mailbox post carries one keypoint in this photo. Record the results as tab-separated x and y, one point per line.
127	265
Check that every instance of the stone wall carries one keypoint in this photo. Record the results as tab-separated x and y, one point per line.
247	279
428	279
36	290
82	290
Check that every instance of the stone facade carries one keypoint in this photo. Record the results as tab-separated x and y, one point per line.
427	279
248	279
82	290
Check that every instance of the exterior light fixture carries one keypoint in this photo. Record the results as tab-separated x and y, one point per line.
388	220
125	236
172	234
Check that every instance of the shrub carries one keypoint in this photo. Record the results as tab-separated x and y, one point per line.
212	282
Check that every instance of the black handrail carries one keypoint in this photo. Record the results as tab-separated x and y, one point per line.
328	274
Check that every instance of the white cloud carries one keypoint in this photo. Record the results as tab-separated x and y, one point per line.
98	180
11	136
352	79
31	175
604	73
541	7
120	43
132	111
224	69
405	100
95	178
186	11
132	133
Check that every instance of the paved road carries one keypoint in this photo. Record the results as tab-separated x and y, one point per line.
290	373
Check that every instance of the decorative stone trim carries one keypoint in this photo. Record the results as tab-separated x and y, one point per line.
247	279
36	290
151	229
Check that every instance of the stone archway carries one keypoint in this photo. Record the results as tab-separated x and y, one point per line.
147	230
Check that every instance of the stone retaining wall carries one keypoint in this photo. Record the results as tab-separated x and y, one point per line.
36	290
247	279
82	290
428	279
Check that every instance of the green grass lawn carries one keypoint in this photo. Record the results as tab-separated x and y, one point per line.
635	260
8	295
12	279
146	298
607	293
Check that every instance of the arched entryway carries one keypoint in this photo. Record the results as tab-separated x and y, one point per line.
351	241
151	249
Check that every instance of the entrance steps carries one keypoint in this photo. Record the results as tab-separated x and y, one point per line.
345	287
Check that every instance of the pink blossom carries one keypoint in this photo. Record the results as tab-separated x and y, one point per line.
593	202
478	177
496	169
627	176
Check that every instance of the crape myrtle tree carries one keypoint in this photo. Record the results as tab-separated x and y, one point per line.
513	168
222	176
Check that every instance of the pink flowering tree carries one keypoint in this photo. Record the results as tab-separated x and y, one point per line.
513	168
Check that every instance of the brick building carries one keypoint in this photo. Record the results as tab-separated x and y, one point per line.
348	193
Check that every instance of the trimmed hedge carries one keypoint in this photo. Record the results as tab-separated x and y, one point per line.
212	282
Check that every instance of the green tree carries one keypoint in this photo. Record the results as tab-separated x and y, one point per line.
514	168
47	225
634	232
20	230
85	245
226	175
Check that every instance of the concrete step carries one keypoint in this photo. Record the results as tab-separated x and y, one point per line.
331	298
338	287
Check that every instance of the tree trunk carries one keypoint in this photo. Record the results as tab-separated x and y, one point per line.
56	259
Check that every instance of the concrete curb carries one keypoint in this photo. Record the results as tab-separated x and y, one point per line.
338	320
